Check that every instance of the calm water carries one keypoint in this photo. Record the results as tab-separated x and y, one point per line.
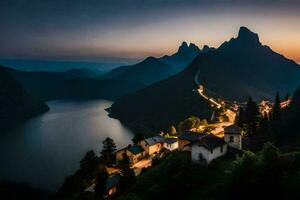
44	150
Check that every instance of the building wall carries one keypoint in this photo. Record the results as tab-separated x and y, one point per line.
144	145
119	155
237	140
155	148
209	156
182	144
171	147
134	158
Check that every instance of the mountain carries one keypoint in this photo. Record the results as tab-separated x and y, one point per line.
147	72
98	66
243	66
162	104
185	54
152	69
16	104
237	69
74	83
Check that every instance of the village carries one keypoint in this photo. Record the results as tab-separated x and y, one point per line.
203	146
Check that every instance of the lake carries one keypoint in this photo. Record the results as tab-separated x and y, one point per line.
43	150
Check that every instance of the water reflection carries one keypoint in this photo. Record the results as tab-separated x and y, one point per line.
44	150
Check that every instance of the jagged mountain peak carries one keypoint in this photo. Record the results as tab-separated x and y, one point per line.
247	35
184	47
246	39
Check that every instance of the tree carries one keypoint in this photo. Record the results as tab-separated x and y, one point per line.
128	174
292	119
89	165
108	149
189	123
240	119
243	175
276	119
251	117
172	131
101	180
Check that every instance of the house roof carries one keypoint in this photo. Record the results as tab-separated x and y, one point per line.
154	140
233	129
211	141
113	181
136	149
191	136
170	140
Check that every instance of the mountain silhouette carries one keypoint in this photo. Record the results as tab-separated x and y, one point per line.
237	69
184	55
74	83
147	72
16	104
152	69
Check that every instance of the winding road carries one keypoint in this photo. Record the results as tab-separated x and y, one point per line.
219	127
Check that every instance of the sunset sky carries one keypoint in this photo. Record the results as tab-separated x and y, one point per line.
65	29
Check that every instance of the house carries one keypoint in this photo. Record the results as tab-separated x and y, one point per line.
112	184
171	144
233	136
136	153
207	149
152	145
186	138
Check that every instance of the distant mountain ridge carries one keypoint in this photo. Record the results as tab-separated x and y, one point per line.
147	72
74	83
237	69
153	69
184	55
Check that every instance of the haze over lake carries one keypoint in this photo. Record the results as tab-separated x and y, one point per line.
42	151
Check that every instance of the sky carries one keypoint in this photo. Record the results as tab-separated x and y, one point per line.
85	29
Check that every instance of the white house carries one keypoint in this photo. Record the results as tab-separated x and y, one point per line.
207	149
233	136
171	144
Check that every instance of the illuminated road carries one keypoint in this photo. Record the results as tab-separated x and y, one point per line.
229	113
218	128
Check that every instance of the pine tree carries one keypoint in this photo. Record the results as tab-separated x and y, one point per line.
128	174
292	120
89	165
240	119
101	180
276	119
251	117
108	149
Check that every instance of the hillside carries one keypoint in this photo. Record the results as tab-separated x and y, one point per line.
243	67
75	83
237	69
152	69
184	56
162	104
16	104
147	72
